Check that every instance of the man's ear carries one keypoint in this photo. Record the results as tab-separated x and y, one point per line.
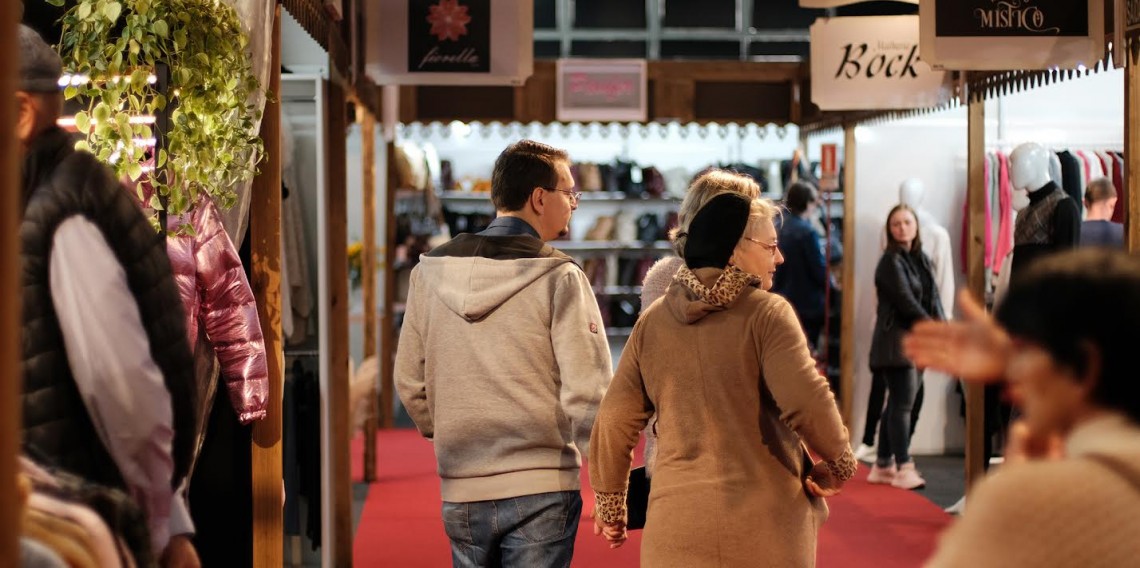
1090	375
25	116
537	200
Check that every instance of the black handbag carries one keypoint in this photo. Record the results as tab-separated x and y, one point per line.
637	499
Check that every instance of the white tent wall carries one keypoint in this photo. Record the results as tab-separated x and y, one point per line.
1082	113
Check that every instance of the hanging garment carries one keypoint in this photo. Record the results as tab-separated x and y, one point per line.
1005	215
1072	172
1118	181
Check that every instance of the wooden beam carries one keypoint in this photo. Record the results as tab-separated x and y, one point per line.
10	296
976	281
388	317
265	243
338	545
368	280
1131	189
847	314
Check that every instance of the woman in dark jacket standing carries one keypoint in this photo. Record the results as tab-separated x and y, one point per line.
905	288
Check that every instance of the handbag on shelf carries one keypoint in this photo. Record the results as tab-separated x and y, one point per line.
637	499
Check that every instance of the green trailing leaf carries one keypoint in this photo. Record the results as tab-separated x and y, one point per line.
211	142
82	122
112	11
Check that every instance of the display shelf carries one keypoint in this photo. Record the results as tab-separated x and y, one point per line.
619	331
587	197
610	246
617	290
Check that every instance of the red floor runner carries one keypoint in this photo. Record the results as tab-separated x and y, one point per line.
870	526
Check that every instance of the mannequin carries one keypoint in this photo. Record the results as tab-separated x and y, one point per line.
1051	221
935	241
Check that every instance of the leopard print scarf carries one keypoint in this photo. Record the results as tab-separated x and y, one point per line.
726	288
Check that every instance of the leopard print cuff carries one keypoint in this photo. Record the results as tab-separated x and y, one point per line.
610	507
843	468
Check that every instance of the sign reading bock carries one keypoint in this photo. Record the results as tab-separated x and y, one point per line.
870	63
450	42
1012	34
602	90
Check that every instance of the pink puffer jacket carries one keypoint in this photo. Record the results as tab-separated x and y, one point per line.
216	294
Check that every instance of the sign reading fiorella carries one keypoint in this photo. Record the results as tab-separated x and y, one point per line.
1012	34
450	42
868	63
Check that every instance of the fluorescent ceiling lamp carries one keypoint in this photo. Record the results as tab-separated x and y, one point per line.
837	3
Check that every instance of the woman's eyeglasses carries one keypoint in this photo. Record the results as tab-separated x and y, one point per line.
575	196
772	246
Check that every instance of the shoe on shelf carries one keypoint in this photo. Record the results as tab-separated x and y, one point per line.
957	508
882	475
865	453
908	477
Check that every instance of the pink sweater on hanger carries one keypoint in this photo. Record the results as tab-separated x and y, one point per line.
1005	214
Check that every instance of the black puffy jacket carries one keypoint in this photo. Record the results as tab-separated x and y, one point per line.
60	183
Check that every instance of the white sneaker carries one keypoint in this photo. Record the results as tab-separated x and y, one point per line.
882	475
865	453
957	508
908	477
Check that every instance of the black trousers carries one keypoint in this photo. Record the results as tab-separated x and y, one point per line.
221	490
875	406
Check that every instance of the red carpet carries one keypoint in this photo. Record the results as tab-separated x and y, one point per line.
870	526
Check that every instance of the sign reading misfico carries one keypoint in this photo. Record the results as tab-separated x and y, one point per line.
997	35
867	63
998	18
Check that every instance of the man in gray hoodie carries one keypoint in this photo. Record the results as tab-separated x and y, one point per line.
502	362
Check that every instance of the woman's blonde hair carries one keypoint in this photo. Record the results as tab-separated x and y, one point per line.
763	209
705	187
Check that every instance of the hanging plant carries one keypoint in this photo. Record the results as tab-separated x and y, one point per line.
113	49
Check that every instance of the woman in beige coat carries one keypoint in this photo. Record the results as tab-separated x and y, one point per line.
726	367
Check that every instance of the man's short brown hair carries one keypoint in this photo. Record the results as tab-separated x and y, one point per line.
520	168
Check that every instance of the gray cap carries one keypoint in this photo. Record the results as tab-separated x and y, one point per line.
40	66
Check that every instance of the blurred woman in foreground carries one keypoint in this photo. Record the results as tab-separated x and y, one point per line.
1065	340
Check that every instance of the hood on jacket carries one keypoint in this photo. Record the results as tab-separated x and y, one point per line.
474	274
693	295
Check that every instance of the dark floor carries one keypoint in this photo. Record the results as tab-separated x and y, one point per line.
945	478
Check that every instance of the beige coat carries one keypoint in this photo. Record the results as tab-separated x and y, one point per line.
734	389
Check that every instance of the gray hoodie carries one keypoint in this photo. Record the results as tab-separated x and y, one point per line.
502	361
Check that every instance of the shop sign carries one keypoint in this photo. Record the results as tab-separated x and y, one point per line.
602	90
1011	34
872	63
838	3
450	42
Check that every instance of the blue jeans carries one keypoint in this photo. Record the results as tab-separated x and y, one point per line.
532	530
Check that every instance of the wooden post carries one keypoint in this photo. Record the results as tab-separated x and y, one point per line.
847	313
368	279
388	317
10	296
265	243
390	115
338	537
976	281
1131	189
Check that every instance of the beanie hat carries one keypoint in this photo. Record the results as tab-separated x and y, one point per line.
715	230
40	65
